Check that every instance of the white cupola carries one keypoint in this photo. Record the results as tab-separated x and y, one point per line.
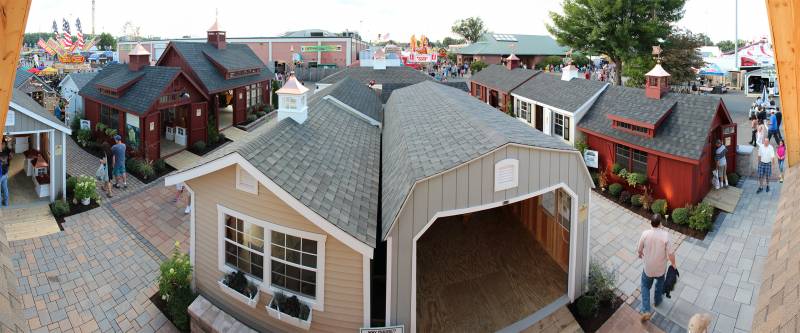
292	101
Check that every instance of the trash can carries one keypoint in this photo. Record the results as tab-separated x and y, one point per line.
744	160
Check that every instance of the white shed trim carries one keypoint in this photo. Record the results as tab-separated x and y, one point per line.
48	122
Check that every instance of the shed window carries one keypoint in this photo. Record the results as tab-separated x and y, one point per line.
633	160
294	263
561	126
244	247
524	111
109	117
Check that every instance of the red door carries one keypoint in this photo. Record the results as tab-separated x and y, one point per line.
198	118
152	136
239	108
729	140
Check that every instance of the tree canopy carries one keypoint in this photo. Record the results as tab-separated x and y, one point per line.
678	57
107	42
447	41
728	45
470	28
620	29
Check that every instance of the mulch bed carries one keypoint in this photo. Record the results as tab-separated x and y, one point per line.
167	169
647	214
162	305
593	323
210	147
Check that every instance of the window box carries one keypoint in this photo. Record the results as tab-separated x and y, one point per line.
251	302
274	311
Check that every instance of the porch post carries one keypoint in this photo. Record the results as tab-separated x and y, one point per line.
50	168
63	166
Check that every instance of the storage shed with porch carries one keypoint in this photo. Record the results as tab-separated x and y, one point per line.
669	137
485	219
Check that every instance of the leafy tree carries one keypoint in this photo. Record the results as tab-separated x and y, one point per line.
620	29
678	58
447	41
31	38
477	66
470	28
705	40
107	42
728	45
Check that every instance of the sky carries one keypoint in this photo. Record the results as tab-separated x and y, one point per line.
400	19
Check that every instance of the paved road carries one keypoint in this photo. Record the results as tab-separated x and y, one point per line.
739	107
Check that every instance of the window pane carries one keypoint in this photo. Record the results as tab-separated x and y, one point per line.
292	242
308	289
257	271
293	256
309	276
309	246
278	280
278	252
309	260
292	284
278	238
278	267
230	221
293	272
230	234
566	128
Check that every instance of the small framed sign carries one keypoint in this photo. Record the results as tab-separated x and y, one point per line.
86	124
591	158
387	329
506	174
199	112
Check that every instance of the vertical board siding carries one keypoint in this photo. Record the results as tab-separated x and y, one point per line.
471	185
343	265
23	123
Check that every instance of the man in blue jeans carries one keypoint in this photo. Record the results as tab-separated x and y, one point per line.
4	183
654	249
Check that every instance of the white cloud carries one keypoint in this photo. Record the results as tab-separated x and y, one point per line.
244	18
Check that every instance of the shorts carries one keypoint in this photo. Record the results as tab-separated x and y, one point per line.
119	169
764	169
722	170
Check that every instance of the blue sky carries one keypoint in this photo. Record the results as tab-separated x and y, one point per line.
242	18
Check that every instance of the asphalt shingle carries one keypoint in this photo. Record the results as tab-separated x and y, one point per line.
23	100
20	77
524	45
141	95
350	92
430	128
549	89
81	79
682	133
501	78
237	56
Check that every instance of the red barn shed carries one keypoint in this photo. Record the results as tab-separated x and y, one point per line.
669	137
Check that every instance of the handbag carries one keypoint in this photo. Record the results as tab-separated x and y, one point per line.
102	172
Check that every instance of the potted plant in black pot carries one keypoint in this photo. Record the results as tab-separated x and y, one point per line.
290	310
237	286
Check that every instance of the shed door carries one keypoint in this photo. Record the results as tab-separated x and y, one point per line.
152	136
729	140
239	106
198	118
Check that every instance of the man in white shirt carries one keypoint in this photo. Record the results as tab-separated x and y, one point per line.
654	249
766	155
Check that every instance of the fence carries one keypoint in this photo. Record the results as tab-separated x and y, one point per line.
313	74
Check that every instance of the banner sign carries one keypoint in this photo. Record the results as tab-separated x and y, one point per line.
422	57
321	48
591	158
72	59
388	329
45	47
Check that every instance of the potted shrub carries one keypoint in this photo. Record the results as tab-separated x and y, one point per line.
615	189
86	190
290	310
681	215
236	285
659	207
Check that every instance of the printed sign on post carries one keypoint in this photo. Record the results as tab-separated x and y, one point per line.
388	329
506	174
591	158
86	124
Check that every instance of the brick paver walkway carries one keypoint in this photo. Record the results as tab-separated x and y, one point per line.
154	216
80	162
94	276
626	319
719	275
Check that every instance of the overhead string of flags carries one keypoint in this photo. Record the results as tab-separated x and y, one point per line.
62	44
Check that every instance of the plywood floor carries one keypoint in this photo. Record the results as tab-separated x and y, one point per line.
481	274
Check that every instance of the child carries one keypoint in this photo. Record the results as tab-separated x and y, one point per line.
180	187
781	153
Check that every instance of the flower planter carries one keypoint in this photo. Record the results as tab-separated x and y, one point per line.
251	302
296	322
86	201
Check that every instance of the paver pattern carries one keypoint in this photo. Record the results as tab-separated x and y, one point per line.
94	276
156	217
720	275
626	319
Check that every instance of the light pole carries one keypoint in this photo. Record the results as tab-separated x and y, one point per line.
736	34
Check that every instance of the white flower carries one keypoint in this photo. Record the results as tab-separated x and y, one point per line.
172	271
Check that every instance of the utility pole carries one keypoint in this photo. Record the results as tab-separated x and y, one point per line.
92	17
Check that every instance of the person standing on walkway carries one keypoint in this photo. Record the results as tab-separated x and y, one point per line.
781	153
754	128
655	249
5	162
766	155
118	159
722	163
773	128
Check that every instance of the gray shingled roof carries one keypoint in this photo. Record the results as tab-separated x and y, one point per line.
499	77
640	108
23	100
430	128
210	77
682	133
569	95
141	95
118	79
20	77
396	75
350	92
81	79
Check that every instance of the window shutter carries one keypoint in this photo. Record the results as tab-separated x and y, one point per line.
652	168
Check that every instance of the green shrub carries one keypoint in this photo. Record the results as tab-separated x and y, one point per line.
595	178
213	132
83	137
251	117
625	197
133	165
75	124
636	200
159	165
86	188
477	66
659	207
71	182
616	168
733	179
680	215
174	287
700	217
261	113
199	146
623	173
615	189
635	179
59	208
601	283
587	306
111	132
146	171
100	127
581	146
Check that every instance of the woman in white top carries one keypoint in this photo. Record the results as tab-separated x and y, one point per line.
761	133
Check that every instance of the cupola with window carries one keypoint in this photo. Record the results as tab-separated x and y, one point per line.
292	101
656	83
216	36
138	58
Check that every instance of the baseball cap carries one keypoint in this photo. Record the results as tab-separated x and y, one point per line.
117	138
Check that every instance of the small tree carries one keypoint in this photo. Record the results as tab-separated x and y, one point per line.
174	287
477	66
470	28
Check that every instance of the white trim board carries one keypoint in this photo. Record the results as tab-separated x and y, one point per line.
316	219
355	112
367	287
571	282
192	219
48	122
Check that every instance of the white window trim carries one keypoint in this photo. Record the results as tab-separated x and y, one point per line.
317	303
240	186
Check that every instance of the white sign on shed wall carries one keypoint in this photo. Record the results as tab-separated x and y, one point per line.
506	174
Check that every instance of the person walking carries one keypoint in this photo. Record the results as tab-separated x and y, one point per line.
781	153
655	249
103	174
773	128
754	128
4	195
766	155
118	160
722	163
761	133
